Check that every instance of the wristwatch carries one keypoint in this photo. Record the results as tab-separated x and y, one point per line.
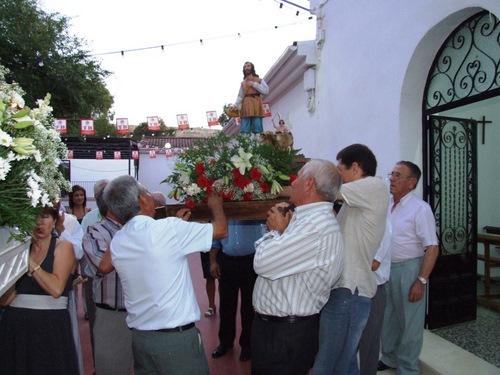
422	280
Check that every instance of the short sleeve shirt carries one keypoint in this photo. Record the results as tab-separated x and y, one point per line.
151	257
362	219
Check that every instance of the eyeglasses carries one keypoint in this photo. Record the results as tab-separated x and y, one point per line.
397	175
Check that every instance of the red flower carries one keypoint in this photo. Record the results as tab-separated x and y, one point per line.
203	182
189	202
293	177
200	168
209	190
239	180
265	187
236	173
227	194
247	197
255	174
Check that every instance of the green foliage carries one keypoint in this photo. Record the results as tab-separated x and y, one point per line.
223	118
44	58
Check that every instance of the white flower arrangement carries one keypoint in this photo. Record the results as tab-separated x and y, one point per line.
30	154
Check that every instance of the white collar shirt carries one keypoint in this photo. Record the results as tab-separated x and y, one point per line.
383	256
151	257
413	228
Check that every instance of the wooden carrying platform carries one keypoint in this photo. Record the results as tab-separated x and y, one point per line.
246	210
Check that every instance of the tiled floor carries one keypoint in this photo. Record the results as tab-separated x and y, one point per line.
480	337
226	365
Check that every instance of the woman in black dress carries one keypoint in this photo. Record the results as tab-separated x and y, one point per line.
35	328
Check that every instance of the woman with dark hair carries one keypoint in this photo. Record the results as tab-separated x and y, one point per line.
78	202
35	329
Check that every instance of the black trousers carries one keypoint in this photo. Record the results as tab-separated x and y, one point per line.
284	348
237	276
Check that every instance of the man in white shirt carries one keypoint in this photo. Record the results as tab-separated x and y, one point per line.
414	253
151	257
297	263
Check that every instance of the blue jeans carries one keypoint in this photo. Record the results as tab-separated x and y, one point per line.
340	327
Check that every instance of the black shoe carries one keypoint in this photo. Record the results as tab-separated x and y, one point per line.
220	351
382	366
245	354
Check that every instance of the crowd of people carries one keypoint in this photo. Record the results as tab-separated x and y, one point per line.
333	282
323	288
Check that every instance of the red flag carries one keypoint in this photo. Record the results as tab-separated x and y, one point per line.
168	153
87	126
152	154
118	155
99	155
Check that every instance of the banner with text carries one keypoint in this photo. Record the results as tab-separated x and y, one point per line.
267	109
182	122
212	118
153	123
87	126
61	125
122	126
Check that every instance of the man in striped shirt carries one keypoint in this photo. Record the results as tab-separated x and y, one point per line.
297	262
112	337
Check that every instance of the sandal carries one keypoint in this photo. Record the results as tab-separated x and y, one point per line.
210	312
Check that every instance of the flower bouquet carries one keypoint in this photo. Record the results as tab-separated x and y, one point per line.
237	168
30	153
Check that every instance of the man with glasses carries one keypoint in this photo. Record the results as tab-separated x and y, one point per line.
414	253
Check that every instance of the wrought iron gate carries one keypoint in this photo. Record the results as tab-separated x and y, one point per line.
452	193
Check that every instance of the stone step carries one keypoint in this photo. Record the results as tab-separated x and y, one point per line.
441	357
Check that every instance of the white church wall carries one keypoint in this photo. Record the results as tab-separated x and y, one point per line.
366	83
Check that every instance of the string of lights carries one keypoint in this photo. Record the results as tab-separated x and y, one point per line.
162	47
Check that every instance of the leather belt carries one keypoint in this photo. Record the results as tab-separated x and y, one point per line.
176	329
238	256
107	307
286	319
